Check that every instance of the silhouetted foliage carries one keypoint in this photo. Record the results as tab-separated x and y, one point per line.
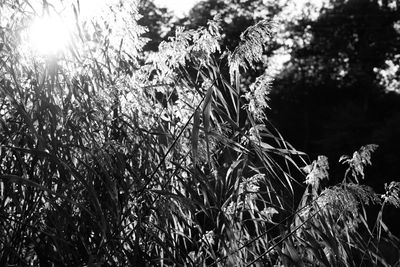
158	22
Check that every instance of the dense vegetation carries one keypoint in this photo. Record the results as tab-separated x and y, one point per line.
114	153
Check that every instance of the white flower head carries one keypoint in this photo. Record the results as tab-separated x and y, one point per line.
209	238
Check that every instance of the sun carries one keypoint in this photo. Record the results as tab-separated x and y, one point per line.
49	35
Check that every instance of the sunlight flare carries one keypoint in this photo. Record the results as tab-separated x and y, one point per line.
49	35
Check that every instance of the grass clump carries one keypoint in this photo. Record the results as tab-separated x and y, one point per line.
115	156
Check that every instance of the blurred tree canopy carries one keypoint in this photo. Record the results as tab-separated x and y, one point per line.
328	98
157	20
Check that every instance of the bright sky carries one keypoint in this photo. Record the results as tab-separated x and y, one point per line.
50	35
180	7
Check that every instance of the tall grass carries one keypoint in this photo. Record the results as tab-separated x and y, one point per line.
114	156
